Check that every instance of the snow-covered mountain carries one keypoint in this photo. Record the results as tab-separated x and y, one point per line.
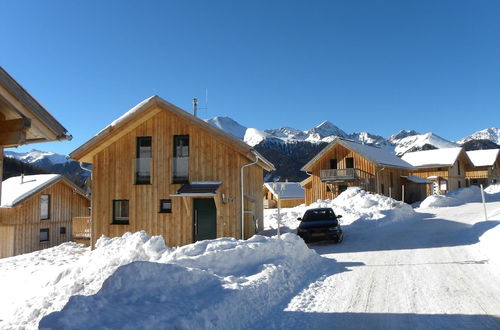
492	134
399	142
228	125
37	157
418	141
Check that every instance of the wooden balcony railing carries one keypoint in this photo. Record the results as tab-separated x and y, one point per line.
81	227
339	175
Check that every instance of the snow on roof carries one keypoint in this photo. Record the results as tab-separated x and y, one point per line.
376	155
433	158
486	157
291	189
415	179
15	189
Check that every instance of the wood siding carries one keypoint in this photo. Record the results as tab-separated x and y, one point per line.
1	171
24	218
367	172
211	158
485	175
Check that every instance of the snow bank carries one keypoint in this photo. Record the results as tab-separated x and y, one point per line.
462	196
489	242
42	282
221	283
354	204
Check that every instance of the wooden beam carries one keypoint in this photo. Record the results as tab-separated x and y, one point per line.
13	132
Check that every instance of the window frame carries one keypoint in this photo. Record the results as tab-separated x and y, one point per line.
138	146
48	207
121	220
176	139
62	230
44	230
162	210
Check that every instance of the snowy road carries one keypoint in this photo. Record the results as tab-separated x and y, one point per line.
426	274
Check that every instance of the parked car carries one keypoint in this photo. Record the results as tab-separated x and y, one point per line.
319	225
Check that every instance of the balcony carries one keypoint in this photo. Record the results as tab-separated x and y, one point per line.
339	175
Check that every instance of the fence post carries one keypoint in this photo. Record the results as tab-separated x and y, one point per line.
403	193
484	203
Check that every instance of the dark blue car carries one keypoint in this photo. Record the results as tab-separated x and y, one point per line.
320	225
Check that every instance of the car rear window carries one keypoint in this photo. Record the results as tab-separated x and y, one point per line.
315	215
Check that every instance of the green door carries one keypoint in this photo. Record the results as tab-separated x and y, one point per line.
204	219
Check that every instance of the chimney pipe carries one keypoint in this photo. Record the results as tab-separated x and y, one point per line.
195	106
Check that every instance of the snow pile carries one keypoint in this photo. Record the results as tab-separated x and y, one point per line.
354	204
461	196
135	281
42	282
489	242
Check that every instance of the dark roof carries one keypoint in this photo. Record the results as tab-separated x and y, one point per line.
199	188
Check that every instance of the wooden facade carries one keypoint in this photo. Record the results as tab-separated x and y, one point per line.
271	200
486	174
21	225
445	178
214	156
351	169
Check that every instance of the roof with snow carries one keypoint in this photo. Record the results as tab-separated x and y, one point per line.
486	157
375	155
17	189
140	112
291	190
433	158
415	179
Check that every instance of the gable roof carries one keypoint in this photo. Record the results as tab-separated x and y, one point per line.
38	123
292	190
433	158
375	155
17	189
141	112
486	157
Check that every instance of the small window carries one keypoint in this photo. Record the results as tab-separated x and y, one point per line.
328	188
349	162
120	212
44	235
382	188
44	207
333	164
458	168
62	230
459	184
165	206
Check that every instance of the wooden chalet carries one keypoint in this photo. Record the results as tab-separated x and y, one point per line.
160	169
344	163
36	212
290	194
445	168
22	119
486	167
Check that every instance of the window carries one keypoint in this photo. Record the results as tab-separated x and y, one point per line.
382	188
143	160
44	235
458	167
328	188
62	230
459	184
333	164
165	206
44	207
181	159
349	162
120	212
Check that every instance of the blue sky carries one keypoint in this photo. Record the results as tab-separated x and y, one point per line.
376	66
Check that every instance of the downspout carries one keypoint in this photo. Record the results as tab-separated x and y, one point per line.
243	195
86	169
378	183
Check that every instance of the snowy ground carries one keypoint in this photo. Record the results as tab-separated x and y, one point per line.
397	268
